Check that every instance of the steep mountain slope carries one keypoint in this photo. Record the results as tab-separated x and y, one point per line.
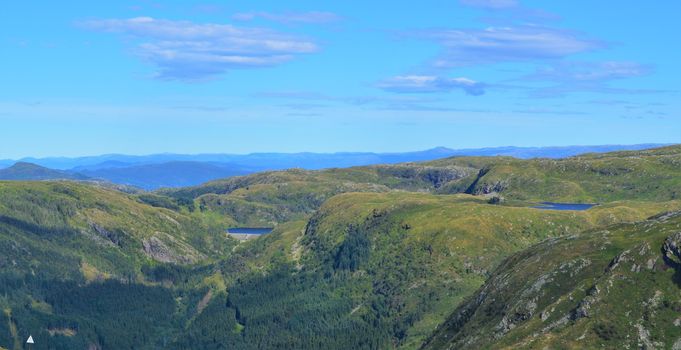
110	231
384	267
28	171
616	288
84	266
367	257
80	265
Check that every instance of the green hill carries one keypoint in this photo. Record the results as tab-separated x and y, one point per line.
80	265
274	197
384	267
367	257
270	198
650	174
614	288
105	224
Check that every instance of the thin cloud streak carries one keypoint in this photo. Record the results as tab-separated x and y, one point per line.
526	43
311	17
429	84
581	76
490	4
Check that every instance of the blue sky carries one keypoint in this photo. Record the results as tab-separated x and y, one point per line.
140	77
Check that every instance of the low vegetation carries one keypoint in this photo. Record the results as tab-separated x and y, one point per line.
614	288
367	257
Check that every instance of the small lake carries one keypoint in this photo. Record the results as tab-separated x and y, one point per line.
250	230
563	206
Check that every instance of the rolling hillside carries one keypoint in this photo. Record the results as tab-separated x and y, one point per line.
653	174
368	257
78	264
117	231
273	197
399	261
613	288
156	171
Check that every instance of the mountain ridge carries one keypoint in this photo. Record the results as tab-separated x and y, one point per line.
369	257
71	163
152	172
30	171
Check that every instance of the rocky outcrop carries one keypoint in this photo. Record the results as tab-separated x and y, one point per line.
584	307
479	186
159	251
110	236
495	187
435	176
671	249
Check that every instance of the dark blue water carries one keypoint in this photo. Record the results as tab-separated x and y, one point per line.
563	206
250	230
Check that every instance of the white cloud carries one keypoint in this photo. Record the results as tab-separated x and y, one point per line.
191	51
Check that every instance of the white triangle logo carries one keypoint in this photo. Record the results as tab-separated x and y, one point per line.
30	340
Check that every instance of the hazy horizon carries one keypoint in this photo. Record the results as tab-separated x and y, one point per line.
469	174
652	144
140	77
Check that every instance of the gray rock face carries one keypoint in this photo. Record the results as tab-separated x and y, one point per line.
584	307
112	237
672	248
159	251
495	187
622	257
677	345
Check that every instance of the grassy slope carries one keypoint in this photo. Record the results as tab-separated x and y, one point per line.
380	263
613	288
105	229
647	175
74	269
270	198
274	197
426	254
408	176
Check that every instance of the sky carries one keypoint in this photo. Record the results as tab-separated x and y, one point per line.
141	76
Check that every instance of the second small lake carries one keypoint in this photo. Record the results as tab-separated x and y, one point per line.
250	230
563	206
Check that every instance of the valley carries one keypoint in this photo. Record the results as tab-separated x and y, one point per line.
459	252
340	175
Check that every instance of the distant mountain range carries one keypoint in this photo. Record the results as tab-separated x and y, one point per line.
176	170
445	254
170	174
